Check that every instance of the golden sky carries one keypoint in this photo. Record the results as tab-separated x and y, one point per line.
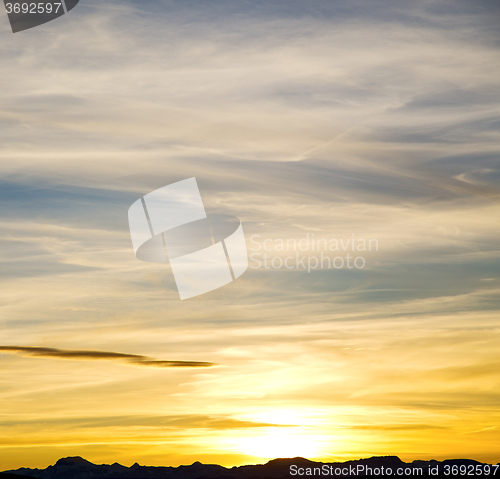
365	120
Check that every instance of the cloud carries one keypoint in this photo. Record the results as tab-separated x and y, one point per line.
102	355
182	422
398	427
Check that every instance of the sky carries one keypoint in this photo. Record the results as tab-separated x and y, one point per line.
322	120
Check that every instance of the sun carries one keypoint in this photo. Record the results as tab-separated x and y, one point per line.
283	433
281	442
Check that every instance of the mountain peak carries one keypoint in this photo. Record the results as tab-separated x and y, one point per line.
73	461
288	460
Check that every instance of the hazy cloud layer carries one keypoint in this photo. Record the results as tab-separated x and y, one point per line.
192	421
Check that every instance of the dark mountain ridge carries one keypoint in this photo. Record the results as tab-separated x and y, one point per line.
79	468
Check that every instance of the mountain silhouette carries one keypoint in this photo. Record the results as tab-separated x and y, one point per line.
79	468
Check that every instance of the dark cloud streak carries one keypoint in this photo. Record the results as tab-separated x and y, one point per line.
135	359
